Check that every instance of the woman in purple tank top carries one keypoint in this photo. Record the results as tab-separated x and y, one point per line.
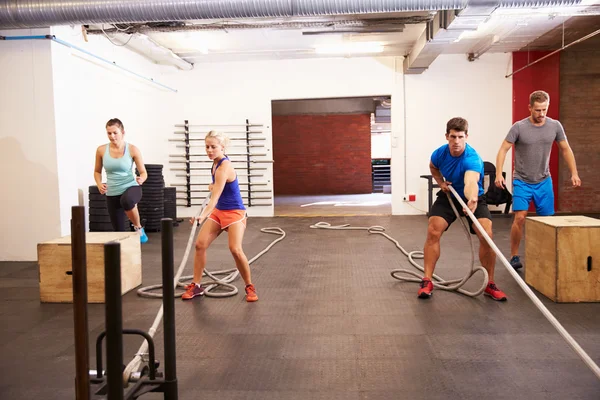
225	212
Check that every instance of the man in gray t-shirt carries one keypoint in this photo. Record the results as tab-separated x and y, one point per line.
533	138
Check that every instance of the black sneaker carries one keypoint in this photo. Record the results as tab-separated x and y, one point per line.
515	262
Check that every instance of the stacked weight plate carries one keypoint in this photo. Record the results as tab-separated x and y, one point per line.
99	221
152	205
169	196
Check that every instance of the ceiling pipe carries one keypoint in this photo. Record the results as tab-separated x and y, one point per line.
149	48
72	46
16	14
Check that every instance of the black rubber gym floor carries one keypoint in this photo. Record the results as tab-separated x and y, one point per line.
331	324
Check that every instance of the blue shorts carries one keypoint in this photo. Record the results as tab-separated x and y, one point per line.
541	193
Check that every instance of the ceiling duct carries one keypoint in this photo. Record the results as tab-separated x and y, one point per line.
43	13
16	14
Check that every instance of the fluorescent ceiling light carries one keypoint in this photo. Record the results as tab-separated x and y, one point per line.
193	41
346	48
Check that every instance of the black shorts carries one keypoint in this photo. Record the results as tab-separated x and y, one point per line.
442	208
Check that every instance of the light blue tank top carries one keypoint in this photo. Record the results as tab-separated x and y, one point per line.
119	175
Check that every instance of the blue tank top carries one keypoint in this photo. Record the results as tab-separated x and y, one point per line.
231	198
119	176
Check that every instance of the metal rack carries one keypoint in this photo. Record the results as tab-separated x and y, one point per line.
380	174
247	149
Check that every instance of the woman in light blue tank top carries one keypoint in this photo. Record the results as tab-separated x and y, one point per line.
122	188
225	212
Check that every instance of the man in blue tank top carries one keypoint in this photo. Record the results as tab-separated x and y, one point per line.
533	138
458	164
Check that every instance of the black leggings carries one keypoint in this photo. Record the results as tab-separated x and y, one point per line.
117	205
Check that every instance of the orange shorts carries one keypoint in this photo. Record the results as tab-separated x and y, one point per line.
225	218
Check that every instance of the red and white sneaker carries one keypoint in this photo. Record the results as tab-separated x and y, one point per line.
495	293
251	293
425	289
192	290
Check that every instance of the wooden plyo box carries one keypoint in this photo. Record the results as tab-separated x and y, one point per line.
563	257
54	259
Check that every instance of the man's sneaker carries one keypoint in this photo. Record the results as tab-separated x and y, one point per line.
425	289
495	293
192	290
251	293
142	233
515	262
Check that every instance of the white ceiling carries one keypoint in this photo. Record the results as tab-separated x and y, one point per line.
503	30
267	43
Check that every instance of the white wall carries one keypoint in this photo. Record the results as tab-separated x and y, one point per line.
75	95
381	145
87	93
230	93
29	177
455	87
478	91
53	106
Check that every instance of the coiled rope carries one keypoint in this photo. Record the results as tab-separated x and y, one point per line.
438	282
455	284
139	358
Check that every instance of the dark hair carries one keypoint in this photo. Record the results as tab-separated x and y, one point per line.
115	121
539	96
458	124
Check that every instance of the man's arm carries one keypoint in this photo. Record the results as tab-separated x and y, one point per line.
569	157
504	148
472	189
437	175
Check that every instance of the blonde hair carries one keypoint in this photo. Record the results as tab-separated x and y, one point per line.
220	136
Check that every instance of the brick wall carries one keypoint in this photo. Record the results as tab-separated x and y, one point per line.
322	154
580	116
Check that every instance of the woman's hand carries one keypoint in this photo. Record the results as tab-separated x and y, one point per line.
102	188
200	219
139	180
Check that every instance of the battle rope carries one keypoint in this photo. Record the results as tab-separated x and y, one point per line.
438	282
135	364
456	284
561	330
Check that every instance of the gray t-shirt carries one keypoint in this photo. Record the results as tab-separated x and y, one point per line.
532	148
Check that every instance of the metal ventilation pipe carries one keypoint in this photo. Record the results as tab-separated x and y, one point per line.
43	13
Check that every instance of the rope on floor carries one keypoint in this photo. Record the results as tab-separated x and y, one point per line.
456	284
438	282
561	330
135	364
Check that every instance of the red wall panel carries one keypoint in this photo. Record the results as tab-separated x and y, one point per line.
544	75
